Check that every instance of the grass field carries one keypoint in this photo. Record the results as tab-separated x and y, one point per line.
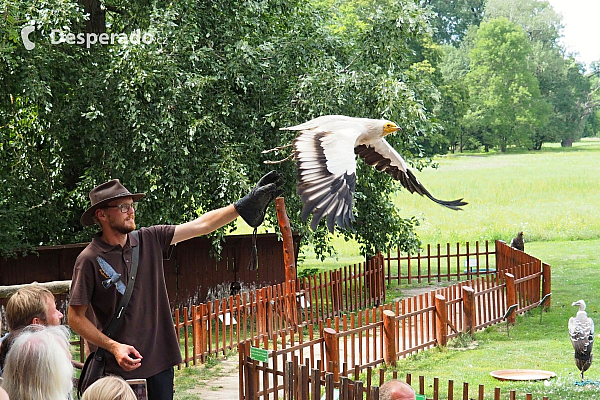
551	195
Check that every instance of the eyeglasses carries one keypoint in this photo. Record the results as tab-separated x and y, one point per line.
124	207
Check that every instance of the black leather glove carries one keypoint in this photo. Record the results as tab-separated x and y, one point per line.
252	207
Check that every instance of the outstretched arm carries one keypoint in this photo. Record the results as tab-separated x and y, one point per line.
251	208
205	224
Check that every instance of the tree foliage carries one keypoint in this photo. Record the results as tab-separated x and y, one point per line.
186	116
507	106
454	18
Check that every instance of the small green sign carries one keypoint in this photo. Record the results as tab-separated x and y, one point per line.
259	354
420	397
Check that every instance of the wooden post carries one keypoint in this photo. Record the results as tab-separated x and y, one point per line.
200	338
251	378
289	261
261	303
389	338
511	295
332	349
469	314
288	241
500	255
546	283
288	380
241	374
441	320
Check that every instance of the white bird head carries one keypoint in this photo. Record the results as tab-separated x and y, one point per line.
579	303
390	127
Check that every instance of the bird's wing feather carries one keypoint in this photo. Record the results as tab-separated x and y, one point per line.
327	169
582	335
383	157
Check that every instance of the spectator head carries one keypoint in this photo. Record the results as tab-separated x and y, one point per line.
6	345
33	304
38	365
396	390
109	388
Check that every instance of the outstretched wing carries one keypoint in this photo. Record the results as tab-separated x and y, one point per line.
327	169
384	157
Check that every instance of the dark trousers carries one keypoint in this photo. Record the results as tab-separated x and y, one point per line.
160	386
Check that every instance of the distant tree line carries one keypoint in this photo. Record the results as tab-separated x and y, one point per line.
186	116
508	81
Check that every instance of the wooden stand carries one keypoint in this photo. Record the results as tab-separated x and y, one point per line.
289	260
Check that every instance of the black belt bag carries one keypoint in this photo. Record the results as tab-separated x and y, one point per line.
94	366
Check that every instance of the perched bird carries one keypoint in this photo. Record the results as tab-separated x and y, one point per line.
325	153
581	329
518	242
234	288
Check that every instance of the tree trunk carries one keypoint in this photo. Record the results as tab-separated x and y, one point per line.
97	16
566	143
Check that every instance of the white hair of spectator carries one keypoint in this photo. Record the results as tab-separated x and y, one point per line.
38	365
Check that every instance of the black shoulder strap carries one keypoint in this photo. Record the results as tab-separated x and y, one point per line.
117	317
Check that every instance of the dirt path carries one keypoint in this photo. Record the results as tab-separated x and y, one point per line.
223	387
227	386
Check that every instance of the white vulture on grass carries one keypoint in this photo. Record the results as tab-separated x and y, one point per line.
325	154
581	329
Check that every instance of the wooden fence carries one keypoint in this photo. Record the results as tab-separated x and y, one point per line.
302	382
437	263
218	326
191	271
452	262
354	342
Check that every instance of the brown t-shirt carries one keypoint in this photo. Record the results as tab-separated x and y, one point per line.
148	325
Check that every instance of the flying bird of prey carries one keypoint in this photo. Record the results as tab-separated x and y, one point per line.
581	329
325	152
518	242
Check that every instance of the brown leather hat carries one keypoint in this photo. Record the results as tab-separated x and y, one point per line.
104	194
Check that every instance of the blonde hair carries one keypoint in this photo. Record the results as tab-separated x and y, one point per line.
38	365
109	388
26	304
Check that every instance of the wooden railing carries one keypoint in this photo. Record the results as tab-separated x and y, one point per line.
329	298
302	382
349	288
441	263
356	341
218	326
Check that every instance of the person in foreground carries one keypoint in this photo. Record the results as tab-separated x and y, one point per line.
109	388
145	345
32	304
38	366
396	390
3	394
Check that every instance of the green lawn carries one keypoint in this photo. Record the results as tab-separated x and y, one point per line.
551	195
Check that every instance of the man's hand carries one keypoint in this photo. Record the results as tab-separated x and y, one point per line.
253	206
127	356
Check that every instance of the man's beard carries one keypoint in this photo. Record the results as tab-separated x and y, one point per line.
120	226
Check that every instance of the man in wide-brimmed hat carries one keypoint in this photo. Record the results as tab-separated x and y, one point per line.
145	345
